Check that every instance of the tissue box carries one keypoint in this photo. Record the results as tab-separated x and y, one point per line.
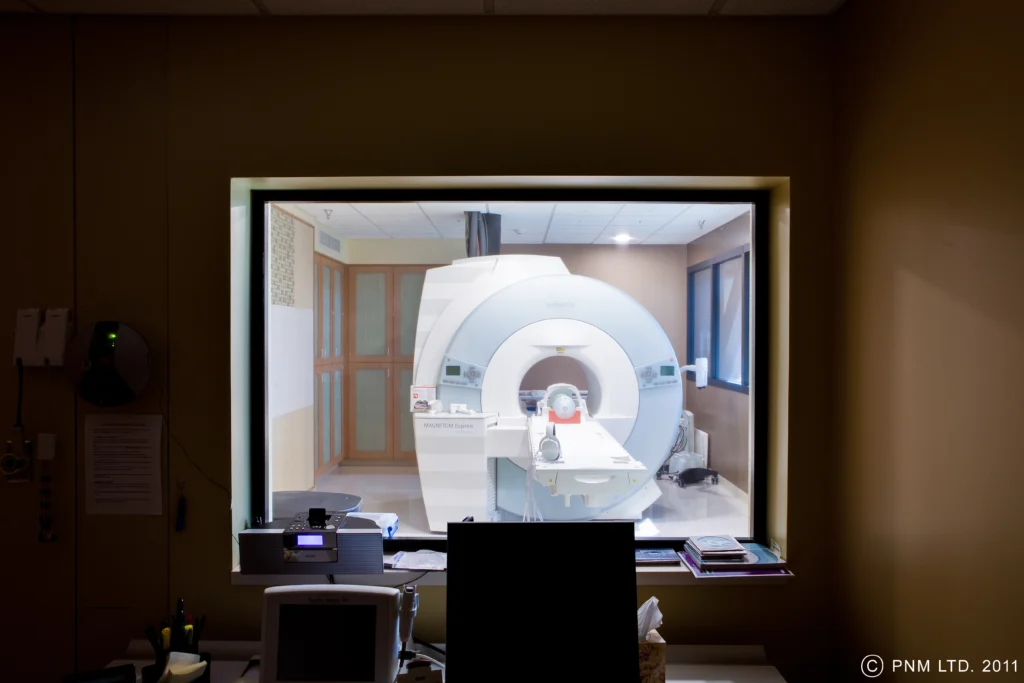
653	658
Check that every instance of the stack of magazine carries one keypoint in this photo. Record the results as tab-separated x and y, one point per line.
723	556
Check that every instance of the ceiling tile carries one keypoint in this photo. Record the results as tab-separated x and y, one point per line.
450	217
713	215
636	233
650	209
779	7
603	6
521	208
374	6
569	239
189	7
387	210
343	220
451	209
651	222
587	209
520	222
568	220
576	230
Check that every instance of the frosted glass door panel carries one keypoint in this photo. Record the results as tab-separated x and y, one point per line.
325	311
336	293
371	314
325	417
370	403
410	286
406	441
337	413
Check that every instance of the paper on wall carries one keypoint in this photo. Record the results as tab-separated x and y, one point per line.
122	465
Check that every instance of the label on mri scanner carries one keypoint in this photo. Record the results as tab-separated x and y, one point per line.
446	426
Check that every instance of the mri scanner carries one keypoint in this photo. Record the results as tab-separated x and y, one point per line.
483	323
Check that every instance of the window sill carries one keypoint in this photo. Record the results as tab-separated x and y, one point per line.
645	576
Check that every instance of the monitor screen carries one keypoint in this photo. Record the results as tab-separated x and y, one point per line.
452	370
668	371
565	587
327	643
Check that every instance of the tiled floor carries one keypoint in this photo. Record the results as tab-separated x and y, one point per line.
679	512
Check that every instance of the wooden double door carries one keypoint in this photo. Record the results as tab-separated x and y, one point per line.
364	361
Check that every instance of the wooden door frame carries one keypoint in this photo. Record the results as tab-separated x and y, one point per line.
330	364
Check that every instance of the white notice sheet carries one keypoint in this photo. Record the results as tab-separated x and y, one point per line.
122	465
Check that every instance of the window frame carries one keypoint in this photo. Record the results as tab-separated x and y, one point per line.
714	265
760	273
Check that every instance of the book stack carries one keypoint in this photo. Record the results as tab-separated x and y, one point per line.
724	556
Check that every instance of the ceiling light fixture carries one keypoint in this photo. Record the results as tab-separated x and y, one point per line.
622	238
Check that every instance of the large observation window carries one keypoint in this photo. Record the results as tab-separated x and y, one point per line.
378	368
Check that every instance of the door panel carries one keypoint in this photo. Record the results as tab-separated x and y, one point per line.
337	413
408	284
405	444
337	342
324	412
329	363
370	411
370	310
324	278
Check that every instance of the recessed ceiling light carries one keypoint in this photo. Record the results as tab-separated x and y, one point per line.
622	237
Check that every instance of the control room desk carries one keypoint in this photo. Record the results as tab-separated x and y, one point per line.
687	664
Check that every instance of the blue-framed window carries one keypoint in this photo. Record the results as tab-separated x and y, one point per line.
718	318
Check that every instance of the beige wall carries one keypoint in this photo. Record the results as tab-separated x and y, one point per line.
168	110
293	433
933	327
395	252
293	446
723	414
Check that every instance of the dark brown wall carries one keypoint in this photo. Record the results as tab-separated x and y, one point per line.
933	328
166	111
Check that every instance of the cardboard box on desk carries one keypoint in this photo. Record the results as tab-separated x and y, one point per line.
653	658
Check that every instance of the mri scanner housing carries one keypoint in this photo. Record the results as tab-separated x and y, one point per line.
483	323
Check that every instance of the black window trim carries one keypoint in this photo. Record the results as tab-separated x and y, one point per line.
760	200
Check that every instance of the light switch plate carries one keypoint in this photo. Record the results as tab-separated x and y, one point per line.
54	336
26	337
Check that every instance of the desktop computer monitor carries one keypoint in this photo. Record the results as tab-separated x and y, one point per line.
540	602
330	634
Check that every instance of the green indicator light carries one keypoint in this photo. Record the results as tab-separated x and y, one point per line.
112	335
